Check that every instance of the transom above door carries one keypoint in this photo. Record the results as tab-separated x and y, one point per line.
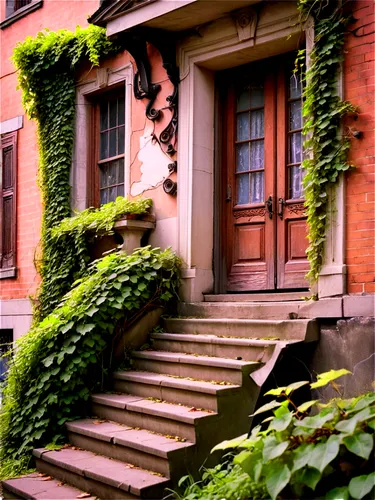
264	215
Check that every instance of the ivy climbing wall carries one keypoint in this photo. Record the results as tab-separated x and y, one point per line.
54	17
359	89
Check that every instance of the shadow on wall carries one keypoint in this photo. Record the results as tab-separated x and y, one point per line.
349	344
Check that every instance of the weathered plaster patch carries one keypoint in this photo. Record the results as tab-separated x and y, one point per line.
154	163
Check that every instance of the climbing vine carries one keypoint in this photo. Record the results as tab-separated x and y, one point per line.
325	146
46	66
67	355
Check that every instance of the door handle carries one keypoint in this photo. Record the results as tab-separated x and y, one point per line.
229	193
280	211
269	206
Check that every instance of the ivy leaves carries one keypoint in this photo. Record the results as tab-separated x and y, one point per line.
325	147
64	357
46	65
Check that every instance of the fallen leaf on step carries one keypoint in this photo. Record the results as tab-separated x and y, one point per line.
41	474
193	409
60	484
48	478
97	422
84	495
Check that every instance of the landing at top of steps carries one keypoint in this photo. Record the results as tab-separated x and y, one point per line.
244	307
255	297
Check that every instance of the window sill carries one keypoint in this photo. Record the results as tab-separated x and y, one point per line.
20	13
11	272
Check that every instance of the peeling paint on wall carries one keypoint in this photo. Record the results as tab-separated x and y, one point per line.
153	163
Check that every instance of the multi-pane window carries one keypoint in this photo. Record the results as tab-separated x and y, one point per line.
295	140
14	5
111	148
8	205
250	145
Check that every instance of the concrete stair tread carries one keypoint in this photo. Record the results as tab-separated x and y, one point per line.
104	470
175	357
121	435
215	339
157	379
34	486
138	404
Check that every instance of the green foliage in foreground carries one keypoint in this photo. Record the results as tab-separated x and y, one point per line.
60	361
292	455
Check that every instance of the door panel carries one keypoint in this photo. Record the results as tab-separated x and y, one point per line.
292	264
250	177
265	220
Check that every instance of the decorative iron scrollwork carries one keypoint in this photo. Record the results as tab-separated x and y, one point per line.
143	88
170	187
172	167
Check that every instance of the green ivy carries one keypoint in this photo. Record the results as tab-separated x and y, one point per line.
326	148
66	356
46	66
101	220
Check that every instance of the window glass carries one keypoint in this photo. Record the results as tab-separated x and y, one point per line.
295	139
111	148
250	144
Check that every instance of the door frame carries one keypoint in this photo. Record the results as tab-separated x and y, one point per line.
220	47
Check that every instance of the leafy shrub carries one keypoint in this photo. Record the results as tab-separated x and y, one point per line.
61	360
292	455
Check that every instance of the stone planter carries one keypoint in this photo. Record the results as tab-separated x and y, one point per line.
128	233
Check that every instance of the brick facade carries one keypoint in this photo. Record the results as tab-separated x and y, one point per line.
359	89
53	15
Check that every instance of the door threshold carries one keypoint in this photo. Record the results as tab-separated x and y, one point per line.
257	297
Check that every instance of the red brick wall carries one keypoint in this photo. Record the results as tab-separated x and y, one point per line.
53	15
359	89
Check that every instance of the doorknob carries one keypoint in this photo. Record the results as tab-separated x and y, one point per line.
280	211
269	206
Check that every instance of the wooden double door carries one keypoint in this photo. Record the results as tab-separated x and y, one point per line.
264	219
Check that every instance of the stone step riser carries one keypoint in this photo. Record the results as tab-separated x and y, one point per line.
246	353
251	329
170	394
122	453
184	370
8	495
146	421
244	311
92	486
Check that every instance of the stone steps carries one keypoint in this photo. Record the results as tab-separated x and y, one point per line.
99	475
38	486
188	392
187	365
156	416
251	350
166	413
298	329
131	445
